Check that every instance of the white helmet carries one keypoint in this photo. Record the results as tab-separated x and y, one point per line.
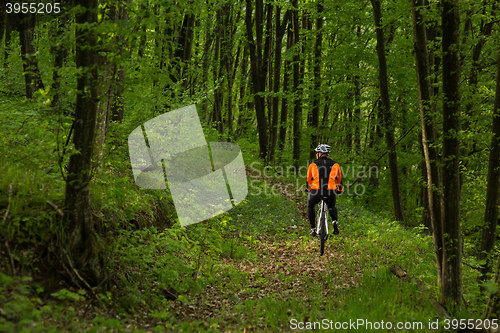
322	148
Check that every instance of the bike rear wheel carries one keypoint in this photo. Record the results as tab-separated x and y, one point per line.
322	231
322	237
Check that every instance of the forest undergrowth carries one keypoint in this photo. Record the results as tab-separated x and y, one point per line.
254	268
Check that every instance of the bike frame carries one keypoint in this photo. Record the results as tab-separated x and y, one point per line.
323	208
322	228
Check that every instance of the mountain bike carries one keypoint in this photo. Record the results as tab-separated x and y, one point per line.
322	226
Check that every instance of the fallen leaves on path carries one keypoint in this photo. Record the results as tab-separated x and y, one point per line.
282	270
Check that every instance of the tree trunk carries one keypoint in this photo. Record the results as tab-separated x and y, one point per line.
280	32
61	51
424	198
111	79
218	75
3	21
206	60
491	212
322	129
32	78
182	49
348	128
242	103
227	62
117	108
386	113
452	255
268	66
258	70
143	15
8	31
284	102
317	79
357	114
82	241
297	108
428	131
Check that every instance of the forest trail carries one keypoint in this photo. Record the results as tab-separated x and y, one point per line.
284	268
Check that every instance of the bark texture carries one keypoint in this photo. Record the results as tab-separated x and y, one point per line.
83	246
258	65
385	109
428	130
452	255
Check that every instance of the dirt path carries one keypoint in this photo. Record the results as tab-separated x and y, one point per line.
288	268
284	270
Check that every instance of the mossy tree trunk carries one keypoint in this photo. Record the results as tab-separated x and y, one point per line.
82	243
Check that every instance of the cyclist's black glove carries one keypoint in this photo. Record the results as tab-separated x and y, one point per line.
339	190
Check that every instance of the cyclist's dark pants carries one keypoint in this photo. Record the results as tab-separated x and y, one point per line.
314	198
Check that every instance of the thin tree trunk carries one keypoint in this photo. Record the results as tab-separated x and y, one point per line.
357	114
269	69
242	104
258	70
452	256
217	76
32	78
183	49
297	108
226	62
61	51
376	136
117	108
8	31
111	81
3	21
322	129
348	125
386	113
492	195
428	130
145	12
424	197
82	240
206	60
317	78
280	32
284	102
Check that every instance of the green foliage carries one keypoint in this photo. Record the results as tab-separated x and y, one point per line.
65	294
161	271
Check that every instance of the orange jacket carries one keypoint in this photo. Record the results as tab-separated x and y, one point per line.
324	173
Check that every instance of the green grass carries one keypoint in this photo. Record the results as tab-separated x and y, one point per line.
253	267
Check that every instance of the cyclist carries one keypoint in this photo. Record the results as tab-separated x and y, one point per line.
323	179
